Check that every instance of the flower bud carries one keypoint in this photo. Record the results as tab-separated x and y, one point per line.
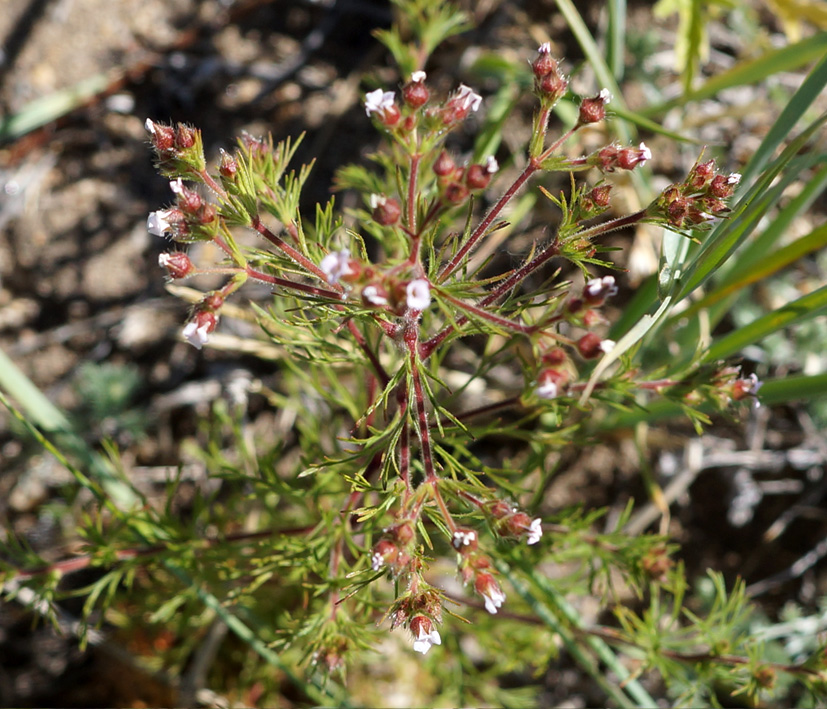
591	346
464	101
185	137
444	165
177	263
464	540
544	64
386	210
385	553
456	193
162	137
228	167
593	110
724	186
415	93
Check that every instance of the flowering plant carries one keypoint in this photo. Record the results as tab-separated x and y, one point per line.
393	292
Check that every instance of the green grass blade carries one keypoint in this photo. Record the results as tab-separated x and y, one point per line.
771	264
616	38
798	311
751	72
565	622
47	417
49	108
811	88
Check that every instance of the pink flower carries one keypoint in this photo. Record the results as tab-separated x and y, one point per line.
418	294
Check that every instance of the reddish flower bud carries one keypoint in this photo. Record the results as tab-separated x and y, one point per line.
444	165
554	357
162	137
601	195
385	553
213	301
184	137
701	174
415	93
723	186
477	177
228	166
544	64
593	110
386	210
456	193
591	346
177	263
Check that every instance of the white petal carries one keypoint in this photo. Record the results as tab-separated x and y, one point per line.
158	222
419	294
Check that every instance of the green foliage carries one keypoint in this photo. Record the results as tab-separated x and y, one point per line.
429	380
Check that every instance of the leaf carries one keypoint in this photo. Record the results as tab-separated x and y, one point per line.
798	311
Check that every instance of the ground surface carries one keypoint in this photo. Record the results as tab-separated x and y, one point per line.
79	281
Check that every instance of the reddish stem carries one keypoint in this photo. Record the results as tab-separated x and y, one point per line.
482	227
289	251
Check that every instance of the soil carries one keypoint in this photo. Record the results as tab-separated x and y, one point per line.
80	282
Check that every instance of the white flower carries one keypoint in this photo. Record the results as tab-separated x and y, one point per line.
491	165
605	95
419	294
163	260
468	99
197	336
546	389
335	265
424	641
607	346
150	126
376	561
177	186
494	598
601	287
378	101
418	77
544	48
377	200
734	178
372	295
463	538
645	153
158	223
535	532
